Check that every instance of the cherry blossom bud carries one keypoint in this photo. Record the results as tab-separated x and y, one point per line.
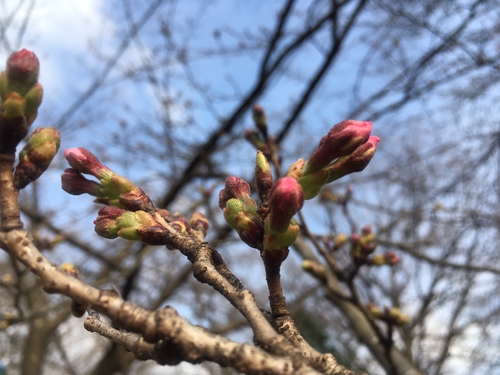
339	241
263	176
199	222
376	260
112	222
35	157
375	311
283	240
74	183
13	106
295	169
355	162
33	100
285	200
84	161
180	223
259	118
106	224
253	137
316	269
132	198
313	182
235	188
340	141
22	70
391	258
395	316
69	269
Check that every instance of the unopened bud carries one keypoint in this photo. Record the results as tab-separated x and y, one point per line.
313	182
74	183
340	141
391	258
36	156
22	70
106	224
283	240
285	200
355	162
259	118
235	187
295	169
339	241
253	137
69	269
85	162
199	222
263	176
375	311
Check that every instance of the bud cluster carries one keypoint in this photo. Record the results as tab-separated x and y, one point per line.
20	97
113	222
392	315
111	189
347	148
240	211
129	213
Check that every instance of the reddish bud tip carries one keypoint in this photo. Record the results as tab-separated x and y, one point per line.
74	183
23	68
235	188
340	141
285	200
84	161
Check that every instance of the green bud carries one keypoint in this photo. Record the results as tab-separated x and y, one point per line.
274	242
263	176
13	106
36	156
313	182
295	169
33	98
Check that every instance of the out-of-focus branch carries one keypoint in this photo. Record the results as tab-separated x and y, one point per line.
358	321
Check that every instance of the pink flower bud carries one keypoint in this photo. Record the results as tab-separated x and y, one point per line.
106	224
74	183
355	162
84	161
340	141
235	188
391	258
23	68
285	200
